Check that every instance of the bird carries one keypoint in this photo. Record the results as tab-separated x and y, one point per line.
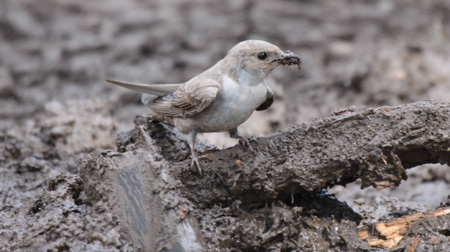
220	98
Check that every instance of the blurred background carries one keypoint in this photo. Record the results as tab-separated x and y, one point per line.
55	54
353	52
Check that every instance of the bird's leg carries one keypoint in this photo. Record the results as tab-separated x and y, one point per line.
242	140
191	141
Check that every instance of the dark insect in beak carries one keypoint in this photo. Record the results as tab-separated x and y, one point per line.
289	58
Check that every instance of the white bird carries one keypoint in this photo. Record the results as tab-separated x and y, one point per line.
220	98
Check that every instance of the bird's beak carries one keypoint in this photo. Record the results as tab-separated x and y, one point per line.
289	58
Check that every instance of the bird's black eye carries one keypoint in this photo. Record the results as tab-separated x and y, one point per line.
262	55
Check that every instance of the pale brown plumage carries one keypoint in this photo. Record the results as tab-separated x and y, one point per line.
188	100
222	97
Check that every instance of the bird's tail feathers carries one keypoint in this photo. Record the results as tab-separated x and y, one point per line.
153	89
148	98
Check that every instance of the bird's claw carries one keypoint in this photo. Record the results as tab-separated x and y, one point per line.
195	163
244	142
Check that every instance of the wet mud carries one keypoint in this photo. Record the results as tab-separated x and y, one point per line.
238	205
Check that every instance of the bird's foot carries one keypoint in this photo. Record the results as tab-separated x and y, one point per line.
191	141
244	142
195	163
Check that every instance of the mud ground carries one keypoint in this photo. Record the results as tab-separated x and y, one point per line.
55	109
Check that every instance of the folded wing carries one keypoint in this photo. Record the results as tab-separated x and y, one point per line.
188	100
269	99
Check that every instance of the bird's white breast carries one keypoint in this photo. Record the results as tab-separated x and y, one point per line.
233	106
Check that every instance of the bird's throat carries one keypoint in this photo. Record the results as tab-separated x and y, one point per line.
250	79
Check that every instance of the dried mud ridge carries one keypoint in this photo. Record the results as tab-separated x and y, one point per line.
273	199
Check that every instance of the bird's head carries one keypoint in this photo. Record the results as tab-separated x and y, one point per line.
251	61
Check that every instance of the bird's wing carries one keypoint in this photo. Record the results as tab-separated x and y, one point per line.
189	100
269	99
154	89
